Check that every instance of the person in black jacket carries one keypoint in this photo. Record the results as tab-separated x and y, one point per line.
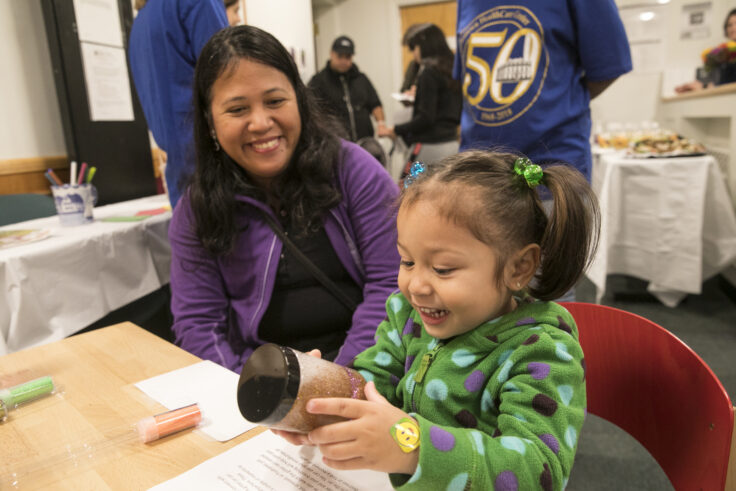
432	132
344	90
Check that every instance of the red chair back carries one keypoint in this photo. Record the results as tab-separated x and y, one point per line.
646	381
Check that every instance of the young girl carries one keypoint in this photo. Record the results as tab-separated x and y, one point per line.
479	377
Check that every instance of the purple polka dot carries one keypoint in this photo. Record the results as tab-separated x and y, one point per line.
531	339
496	433
544	405
408	326
545	479
474	382
538	370
408	362
493	338
416	329
394	380
506	481
466	419
441	439
526	321
582	364
551	442
563	325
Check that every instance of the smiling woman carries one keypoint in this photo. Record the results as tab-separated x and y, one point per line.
269	166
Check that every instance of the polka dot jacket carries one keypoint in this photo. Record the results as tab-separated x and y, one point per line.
499	407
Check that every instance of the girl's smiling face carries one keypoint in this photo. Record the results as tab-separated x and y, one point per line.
255	117
451	278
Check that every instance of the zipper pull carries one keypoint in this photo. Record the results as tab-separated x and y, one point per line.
424	366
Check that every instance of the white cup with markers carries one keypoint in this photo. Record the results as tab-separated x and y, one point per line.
75	203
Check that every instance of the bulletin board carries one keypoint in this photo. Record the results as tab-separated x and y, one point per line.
102	120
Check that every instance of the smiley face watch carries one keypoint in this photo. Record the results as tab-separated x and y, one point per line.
405	433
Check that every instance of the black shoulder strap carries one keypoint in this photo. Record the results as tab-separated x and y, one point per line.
311	267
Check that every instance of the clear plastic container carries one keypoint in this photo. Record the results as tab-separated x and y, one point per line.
276	382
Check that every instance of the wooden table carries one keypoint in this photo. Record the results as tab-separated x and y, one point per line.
76	438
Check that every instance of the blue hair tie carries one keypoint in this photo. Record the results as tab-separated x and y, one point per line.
416	170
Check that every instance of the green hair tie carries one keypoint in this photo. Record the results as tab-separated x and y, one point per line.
532	173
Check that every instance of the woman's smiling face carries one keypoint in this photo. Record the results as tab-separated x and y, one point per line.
256	119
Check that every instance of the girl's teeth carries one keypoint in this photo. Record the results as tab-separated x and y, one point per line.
436	313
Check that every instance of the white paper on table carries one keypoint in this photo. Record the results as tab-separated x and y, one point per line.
212	387
269	462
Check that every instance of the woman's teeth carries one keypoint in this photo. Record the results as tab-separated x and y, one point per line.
271	144
436	313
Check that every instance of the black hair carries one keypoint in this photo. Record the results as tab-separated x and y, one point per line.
305	190
481	191
230	3
411	30
433	47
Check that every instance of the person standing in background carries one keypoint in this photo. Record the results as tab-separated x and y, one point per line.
232	8
529	70
165	40
346	91
431	134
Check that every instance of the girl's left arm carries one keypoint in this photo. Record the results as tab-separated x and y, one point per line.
524	433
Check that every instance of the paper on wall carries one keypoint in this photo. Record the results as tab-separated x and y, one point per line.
108	85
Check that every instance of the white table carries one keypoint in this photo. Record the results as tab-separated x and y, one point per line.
668	221
59	285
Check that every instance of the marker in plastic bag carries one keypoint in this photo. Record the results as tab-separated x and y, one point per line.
154	427
11	397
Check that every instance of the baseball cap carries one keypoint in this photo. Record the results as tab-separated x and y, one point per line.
343	45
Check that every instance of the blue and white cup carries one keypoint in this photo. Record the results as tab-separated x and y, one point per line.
75	203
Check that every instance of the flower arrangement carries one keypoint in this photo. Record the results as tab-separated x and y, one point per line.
720	55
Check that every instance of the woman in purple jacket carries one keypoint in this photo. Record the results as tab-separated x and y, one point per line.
263	149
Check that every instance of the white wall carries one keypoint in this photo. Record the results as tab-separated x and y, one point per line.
30	124
636	96
290	21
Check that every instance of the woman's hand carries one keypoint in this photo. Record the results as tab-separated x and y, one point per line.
364	441
386	131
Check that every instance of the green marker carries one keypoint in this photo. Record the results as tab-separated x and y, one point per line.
11	397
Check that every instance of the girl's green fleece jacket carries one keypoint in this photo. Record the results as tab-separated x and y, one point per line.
499	407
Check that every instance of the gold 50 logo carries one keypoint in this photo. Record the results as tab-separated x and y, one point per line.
504	64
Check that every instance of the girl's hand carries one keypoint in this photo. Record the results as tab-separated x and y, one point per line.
365	441
291	436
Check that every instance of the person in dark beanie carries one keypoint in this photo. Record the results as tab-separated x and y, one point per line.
347	92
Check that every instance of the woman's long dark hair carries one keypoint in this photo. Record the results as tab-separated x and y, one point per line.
305	191
434	49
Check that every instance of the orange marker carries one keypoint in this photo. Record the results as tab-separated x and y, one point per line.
154	427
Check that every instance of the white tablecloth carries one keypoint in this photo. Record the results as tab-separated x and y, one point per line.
668	221
59	285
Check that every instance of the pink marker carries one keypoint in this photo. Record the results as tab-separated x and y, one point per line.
82	170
